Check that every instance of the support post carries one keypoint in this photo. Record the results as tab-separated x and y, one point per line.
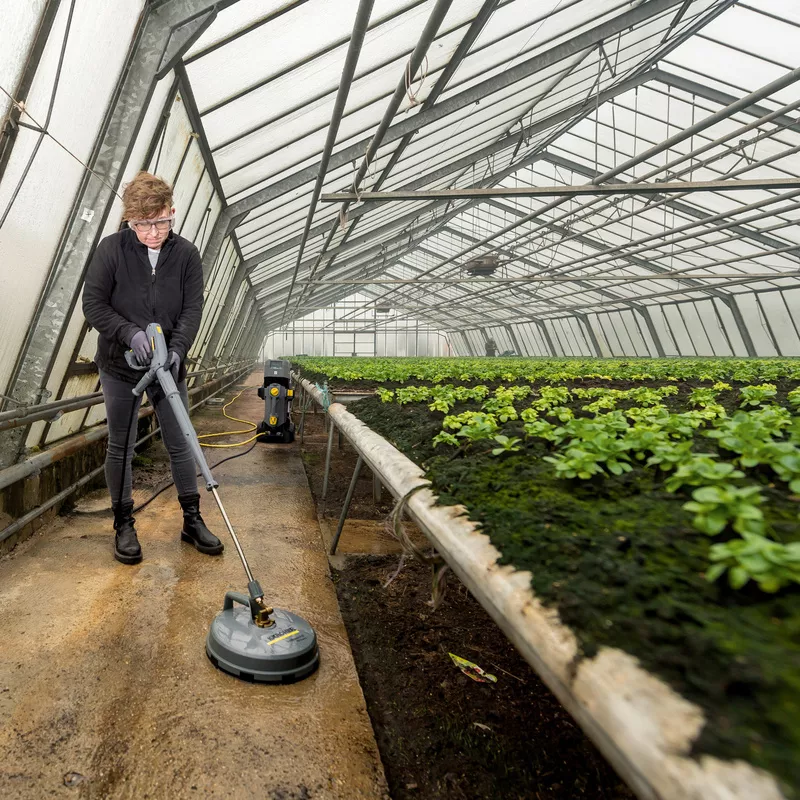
546	336
733	306
590	334
227	306
327	467
346	507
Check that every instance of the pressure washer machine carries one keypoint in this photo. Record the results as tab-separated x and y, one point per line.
277	395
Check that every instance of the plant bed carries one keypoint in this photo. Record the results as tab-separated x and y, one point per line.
625	563
442	735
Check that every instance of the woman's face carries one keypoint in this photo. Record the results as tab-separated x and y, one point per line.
150	235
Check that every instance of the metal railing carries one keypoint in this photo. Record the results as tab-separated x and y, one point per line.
76	443
26	415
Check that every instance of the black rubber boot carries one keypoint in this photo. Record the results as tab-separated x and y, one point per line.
126	545
194	529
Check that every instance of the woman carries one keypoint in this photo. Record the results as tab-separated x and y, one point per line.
145	273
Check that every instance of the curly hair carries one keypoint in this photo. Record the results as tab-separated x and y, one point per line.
145	196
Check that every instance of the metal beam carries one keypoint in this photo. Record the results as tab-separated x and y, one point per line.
541	61
348	71
657	188
670	275
464	46
12	122
765	91
721	98
415	61
504	143
682	208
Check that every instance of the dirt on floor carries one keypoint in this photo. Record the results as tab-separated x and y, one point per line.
442	735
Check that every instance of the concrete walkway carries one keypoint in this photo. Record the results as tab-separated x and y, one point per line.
105	688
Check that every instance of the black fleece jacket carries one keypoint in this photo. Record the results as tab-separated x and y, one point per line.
121	296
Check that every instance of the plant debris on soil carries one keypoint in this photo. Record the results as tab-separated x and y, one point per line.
619	559
441	734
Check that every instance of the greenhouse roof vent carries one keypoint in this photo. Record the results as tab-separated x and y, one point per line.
383	309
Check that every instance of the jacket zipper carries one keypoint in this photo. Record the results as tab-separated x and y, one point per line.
153	292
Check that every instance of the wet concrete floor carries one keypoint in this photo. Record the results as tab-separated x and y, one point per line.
105	688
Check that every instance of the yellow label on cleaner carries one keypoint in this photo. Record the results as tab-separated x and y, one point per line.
292	632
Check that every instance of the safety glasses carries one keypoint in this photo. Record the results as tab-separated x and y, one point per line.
145	225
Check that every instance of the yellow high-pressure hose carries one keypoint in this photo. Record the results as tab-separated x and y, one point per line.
252	428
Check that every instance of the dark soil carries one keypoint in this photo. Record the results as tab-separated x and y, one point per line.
620	560
441	734
423	710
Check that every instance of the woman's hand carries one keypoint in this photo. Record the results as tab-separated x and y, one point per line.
174	364
140	345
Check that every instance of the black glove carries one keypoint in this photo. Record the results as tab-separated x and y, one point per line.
140	345
174	364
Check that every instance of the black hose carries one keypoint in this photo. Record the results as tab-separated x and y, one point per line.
199	474
167	485
134	409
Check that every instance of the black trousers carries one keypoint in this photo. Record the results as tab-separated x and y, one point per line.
120	404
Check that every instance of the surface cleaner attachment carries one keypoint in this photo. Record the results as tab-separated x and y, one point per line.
248	638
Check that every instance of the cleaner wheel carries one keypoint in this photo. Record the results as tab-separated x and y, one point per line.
282	653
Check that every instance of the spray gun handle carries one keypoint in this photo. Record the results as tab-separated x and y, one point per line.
130	357
145	381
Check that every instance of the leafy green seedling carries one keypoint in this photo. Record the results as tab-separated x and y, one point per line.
757	395
716	507
507	445
771	565
443	437
702	471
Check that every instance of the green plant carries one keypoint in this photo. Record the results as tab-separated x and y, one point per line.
507	445
550	396
702	470
385	395
702	397
576	463
756	395
716	507
480	426
771	565
540	429
670	454
443	437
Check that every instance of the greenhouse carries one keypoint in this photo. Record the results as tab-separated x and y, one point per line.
400	399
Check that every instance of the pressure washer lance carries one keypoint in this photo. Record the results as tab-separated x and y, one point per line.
159	370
